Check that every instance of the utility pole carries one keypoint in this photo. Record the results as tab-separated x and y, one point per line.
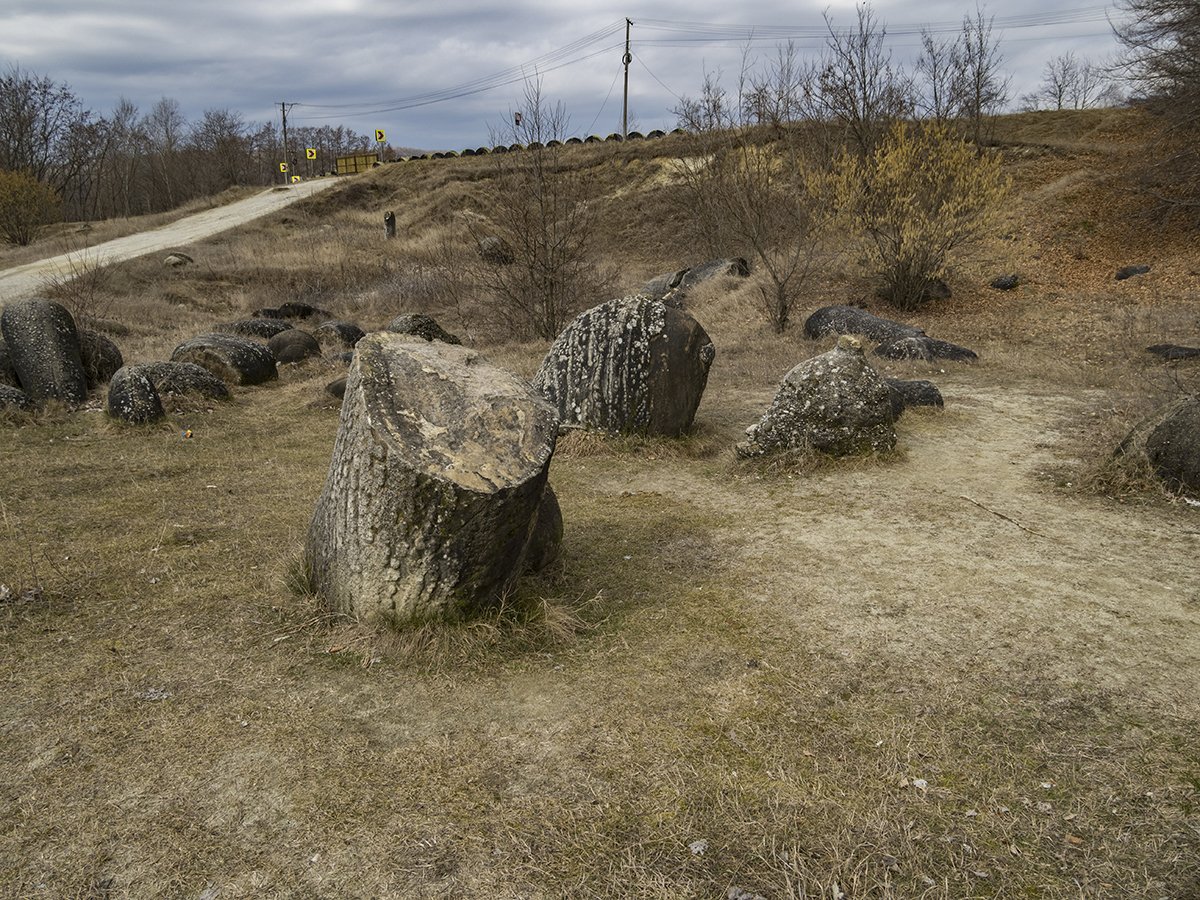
283	109
627	59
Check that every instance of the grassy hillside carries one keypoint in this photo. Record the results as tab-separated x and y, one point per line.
965	671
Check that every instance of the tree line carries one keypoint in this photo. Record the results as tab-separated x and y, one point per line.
131	162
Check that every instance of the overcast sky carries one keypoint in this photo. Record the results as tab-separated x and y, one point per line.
353	62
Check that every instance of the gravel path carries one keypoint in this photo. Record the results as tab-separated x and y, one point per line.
22	280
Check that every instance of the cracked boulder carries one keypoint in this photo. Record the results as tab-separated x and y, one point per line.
632	365
436	486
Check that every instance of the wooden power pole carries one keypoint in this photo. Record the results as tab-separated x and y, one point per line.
627	59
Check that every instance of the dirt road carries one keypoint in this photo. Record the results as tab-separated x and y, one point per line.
26	279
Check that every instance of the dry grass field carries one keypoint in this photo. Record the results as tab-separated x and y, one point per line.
966	670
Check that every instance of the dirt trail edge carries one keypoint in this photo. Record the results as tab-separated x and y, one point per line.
28	278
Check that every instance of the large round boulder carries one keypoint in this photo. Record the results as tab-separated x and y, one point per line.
293	346
43	345
132	397
1170	442
235	360
100	356
185	378
435	486
834	403
630	365
421	326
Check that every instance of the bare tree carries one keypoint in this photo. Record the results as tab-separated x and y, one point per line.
779	93
764	199
539	211
858	87
940	77
1161	42
984	88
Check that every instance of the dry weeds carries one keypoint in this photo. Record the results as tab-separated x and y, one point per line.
950	675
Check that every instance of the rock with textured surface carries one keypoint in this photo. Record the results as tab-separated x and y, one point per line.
437	478
1166	351
293	346
912	393
631	365
545	543
1005	283
1170	441
43	346
339	333
185	378
421	326
896	340
852	320
100	356
8	375
235	360
834	403
15	398
258	328
133	398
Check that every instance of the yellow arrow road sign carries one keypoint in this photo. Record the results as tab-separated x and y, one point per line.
311	152
380	137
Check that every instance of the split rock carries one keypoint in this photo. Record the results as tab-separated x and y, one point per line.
438	474
631	365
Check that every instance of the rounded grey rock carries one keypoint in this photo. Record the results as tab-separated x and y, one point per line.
185	378
132	397
43	345
421	326
293	346
235	360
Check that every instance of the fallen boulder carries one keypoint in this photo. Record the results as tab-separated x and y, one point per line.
896	340
185	378
339	333
1174	351
235	360
15	398
834	403
630	365
907	393
926	348
336	388
1129	271
43	346
132	397
101	358
1170	441
437	478
1005	283
421	326
258	328
291	310
293	346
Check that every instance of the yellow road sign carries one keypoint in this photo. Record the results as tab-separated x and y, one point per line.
380	137
283	167
311	152
295	178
